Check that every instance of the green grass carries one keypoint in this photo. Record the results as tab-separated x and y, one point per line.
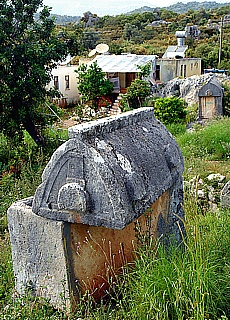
211	142
191	281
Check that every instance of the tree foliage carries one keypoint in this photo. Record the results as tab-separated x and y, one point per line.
137	92
28	51
92	83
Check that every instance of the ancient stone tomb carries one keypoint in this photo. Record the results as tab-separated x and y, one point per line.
211	99
113	177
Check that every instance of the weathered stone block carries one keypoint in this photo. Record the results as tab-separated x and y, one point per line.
39	253
225	195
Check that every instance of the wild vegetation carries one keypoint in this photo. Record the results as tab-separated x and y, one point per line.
190	281
150	32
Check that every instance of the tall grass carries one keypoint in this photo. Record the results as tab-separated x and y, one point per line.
185	283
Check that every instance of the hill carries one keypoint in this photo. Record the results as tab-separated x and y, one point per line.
178	7
181	7
62	19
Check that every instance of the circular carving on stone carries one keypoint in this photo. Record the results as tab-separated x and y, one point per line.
71	196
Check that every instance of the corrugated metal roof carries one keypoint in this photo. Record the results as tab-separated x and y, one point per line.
123	62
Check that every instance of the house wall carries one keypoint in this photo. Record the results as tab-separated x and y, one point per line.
173	68
70	94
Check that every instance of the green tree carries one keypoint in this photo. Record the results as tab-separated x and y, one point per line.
89	38
92	83
130	31
137	92
27	54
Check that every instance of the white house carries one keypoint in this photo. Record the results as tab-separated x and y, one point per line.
64	79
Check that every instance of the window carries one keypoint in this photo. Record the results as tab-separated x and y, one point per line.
158	72
181	70
185	71
56	84
67	82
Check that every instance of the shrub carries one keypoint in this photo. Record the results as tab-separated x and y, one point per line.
170	110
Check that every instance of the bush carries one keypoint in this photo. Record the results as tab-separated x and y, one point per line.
170	110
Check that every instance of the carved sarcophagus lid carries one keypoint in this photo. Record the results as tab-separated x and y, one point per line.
109	171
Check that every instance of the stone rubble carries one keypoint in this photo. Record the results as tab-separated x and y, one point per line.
211	192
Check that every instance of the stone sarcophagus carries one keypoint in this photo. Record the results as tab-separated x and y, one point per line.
112	178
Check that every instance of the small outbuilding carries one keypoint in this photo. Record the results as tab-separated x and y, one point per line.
211	99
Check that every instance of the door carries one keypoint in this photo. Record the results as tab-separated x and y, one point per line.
129	77
208	107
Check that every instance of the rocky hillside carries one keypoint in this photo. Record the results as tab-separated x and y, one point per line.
188	88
